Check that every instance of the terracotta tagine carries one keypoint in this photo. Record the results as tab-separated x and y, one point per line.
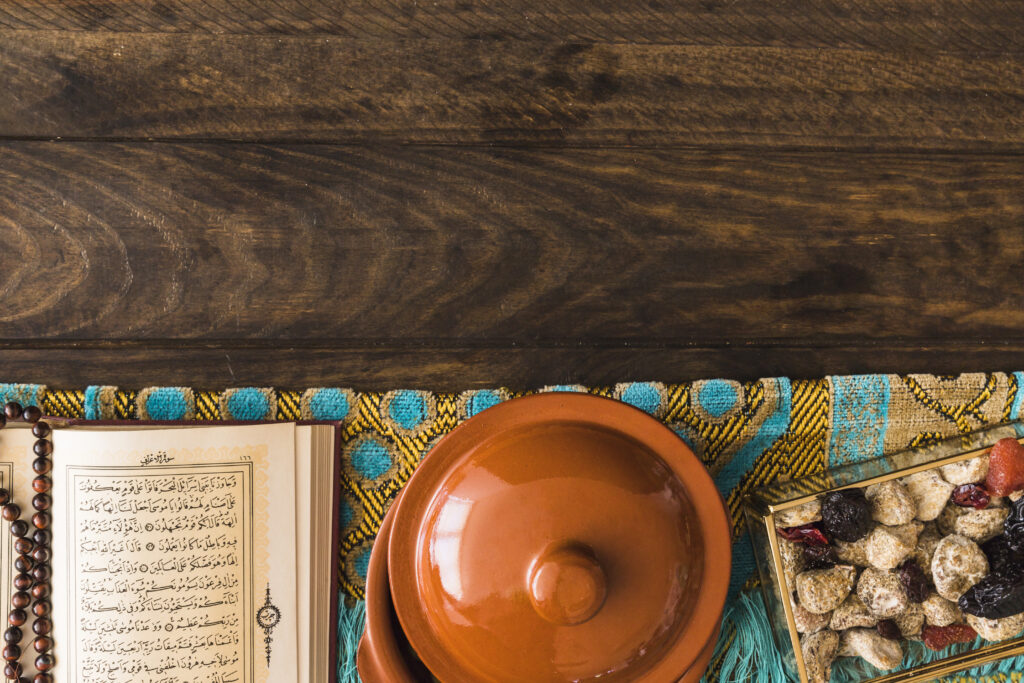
556	537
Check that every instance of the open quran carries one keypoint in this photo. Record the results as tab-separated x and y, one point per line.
186	554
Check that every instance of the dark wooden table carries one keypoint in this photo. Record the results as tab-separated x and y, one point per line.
382	193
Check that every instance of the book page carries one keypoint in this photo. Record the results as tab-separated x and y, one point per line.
175	555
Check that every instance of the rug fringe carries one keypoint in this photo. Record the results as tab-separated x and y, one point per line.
748	645
351	620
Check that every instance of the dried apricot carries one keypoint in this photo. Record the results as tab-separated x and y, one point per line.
1005	468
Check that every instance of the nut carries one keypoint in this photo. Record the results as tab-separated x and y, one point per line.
966	471
957	565
869	644
852	613
930	492
997	629
809	622
911	620
800	515
882	592
946	521
891	503
822	590
792	560
981	525
819	651
855	553
925	548
939	611
888	546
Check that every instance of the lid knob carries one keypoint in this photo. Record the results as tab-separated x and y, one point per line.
567	585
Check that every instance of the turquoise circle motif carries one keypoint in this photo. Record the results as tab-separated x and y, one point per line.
718	396
371	458
166	403
329	404
642	395
481	401
408	409
248	404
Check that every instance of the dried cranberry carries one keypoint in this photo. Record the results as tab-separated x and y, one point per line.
819	557
971	496
846	515
808	533
996	596
914	581
941	637
887	628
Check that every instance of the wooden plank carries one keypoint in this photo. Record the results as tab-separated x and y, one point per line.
456	369
306	88
498	247
973	25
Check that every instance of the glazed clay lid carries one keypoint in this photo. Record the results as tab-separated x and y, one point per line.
560	537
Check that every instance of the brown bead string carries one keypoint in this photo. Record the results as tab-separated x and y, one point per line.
32	580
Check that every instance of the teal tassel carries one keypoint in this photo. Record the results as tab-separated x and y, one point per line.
350	629
752	654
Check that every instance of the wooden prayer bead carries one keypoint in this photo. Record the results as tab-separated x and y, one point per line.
42	626
23	546
42	501
42	465
17	617
41	430
3	420
11	652
41	520
40	591
11	512
23	563
12	670
42	447
22	582
41	573
44	662
19	528
31	414
12	411
20	600
12	635
42	484
5	497
41	608
42	678
41	554
41	537
42	643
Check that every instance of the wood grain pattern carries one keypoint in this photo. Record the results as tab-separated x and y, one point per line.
973	25
499	247
316	88
453	368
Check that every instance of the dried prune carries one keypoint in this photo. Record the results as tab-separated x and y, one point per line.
846	515
941	637
1013	527
914	581
819	556
808	534
1003	558
996	596
1005	467
887	628
971	496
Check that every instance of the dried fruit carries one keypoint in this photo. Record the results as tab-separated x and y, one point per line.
808	534
846	515
996	596
1013	526
971	496
1005	468
1002	557
887	628
819	556
915	583
941	637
